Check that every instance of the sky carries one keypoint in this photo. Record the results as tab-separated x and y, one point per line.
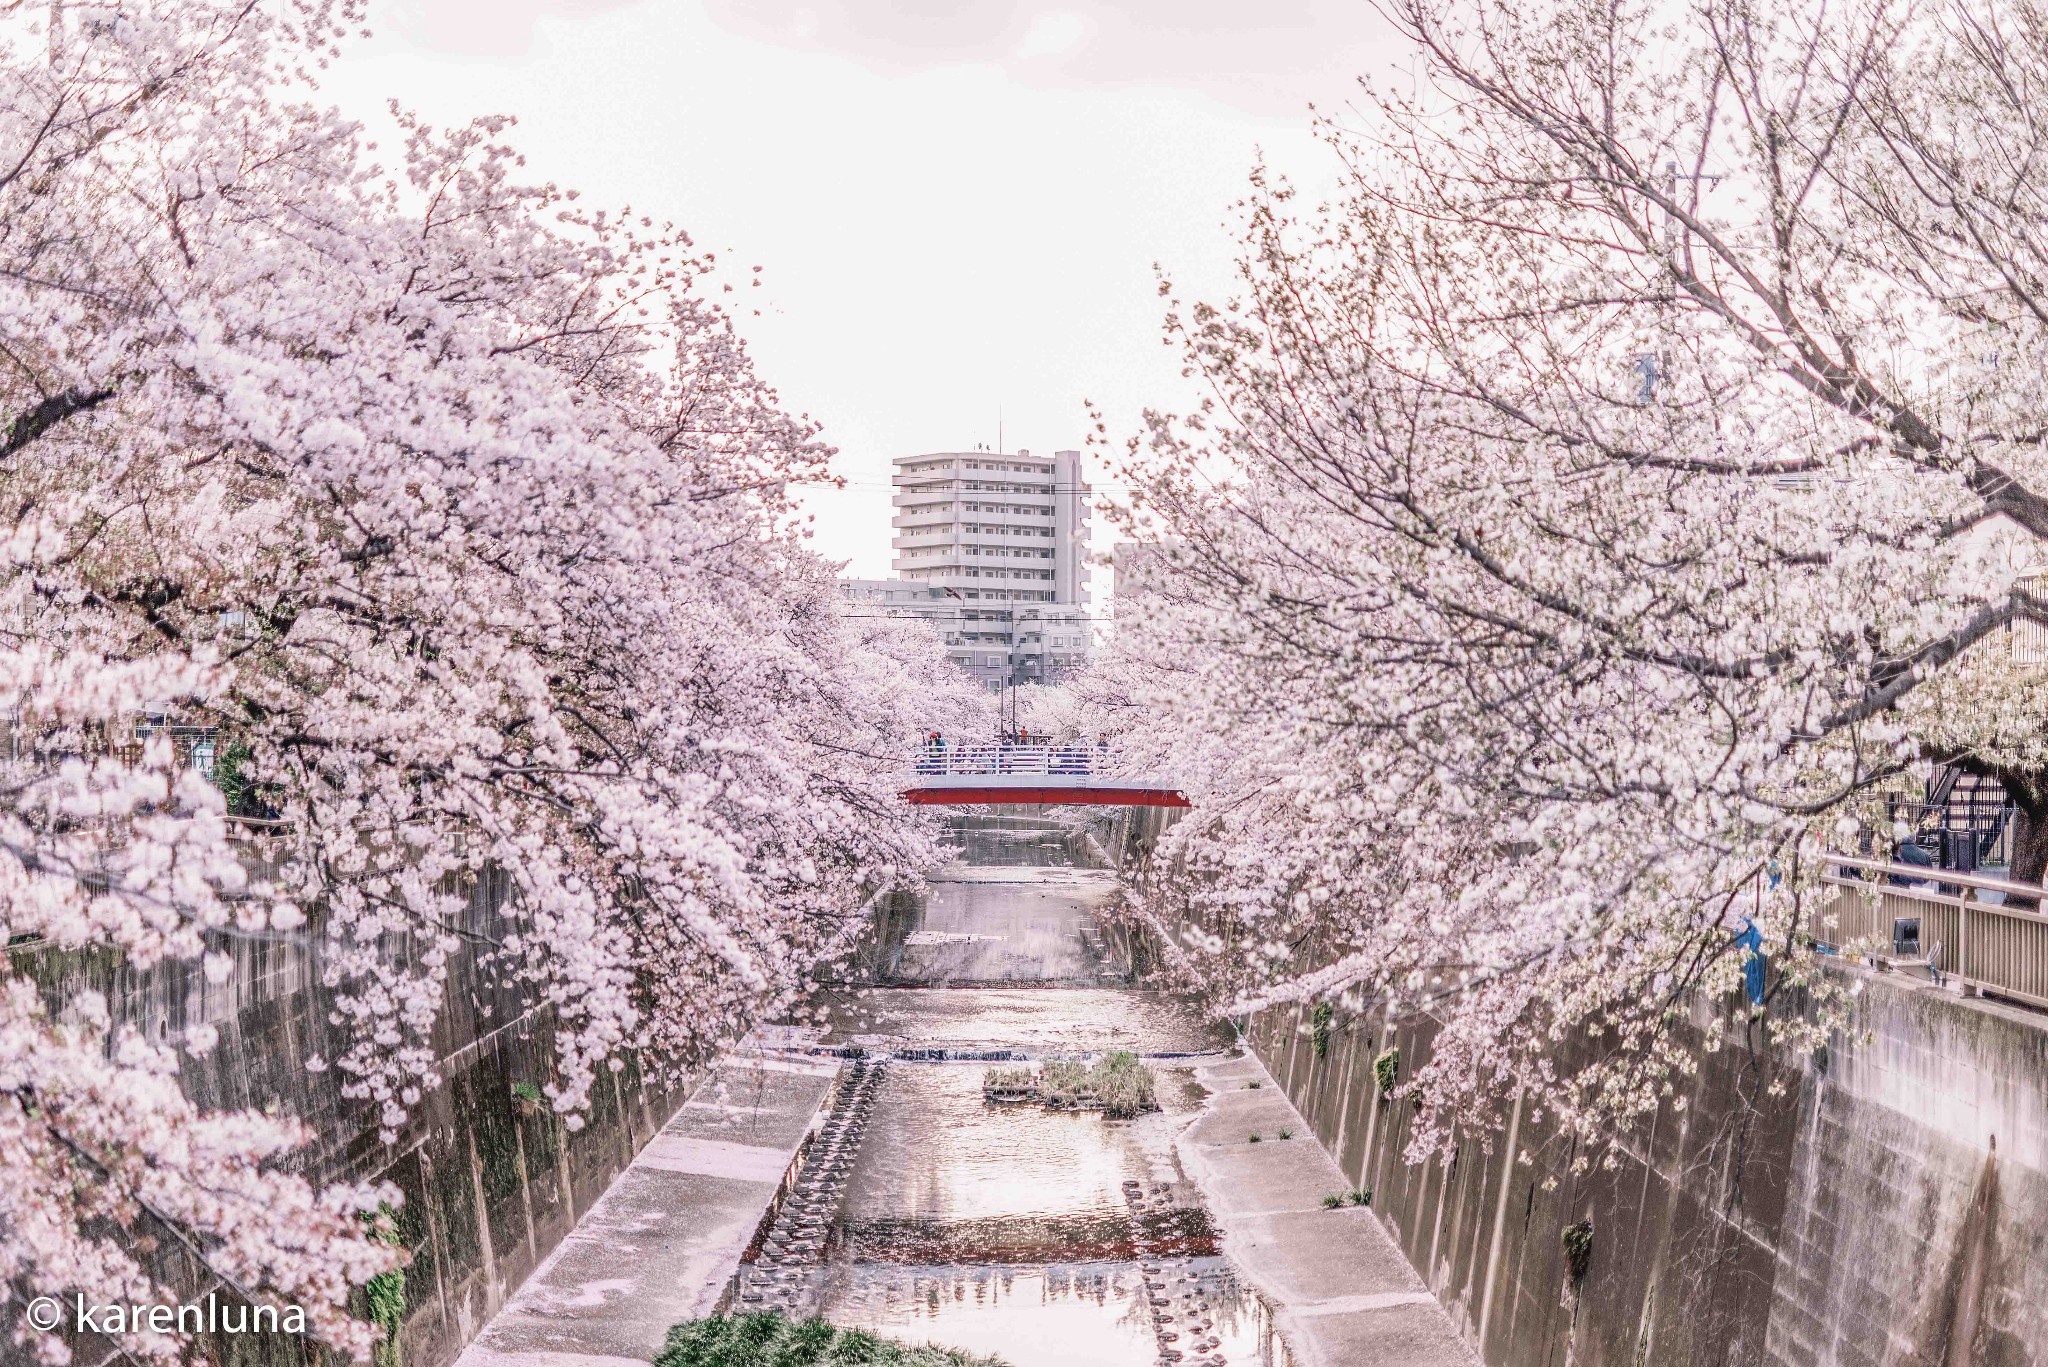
960	210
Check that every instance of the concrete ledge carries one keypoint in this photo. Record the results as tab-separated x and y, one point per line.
1402	1335
1341	1291
668	1234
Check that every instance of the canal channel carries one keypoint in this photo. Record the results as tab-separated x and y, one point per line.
925	1211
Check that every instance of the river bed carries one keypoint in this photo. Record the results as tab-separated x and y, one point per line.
1051	1239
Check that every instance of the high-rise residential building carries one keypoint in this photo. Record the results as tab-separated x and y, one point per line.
997	642
1008	527
992	550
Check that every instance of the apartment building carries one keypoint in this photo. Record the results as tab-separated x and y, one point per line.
992	550
1007	527
998	643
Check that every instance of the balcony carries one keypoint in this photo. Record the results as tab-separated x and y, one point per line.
928	493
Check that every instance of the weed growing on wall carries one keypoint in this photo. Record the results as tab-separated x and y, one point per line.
1386	1071
386	1291
1578	1251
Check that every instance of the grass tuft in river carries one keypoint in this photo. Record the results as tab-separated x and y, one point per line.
769	1338
1120	1085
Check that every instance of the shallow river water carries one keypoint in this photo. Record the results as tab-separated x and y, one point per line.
1050	1239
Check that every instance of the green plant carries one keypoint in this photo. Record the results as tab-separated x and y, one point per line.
1319	1027
1361	1197
1334	1201
1008	1080
1287	1134
1253	1084
228	775
1122	1084
527	1092
1578	1251
1386	1071
1062	1082
768	1338
1255	1137
386	1291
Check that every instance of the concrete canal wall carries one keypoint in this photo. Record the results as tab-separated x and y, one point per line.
1889	1206
491	1183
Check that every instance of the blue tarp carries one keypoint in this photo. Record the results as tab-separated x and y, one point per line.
1752	939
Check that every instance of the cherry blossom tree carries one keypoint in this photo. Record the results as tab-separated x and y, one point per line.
95	1132
1585	500
458	510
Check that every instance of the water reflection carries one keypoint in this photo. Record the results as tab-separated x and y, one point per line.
944	1175
1080	1315
1034	1020
1010	1230
1001	927
1088	1314
1031	842
936	1150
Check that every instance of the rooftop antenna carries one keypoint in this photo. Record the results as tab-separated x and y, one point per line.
999	429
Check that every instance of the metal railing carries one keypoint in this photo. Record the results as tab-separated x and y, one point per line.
1941	916
979	758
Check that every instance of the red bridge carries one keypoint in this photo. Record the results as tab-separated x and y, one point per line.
966	773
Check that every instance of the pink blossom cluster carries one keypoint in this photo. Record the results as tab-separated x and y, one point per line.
456	510
1632	479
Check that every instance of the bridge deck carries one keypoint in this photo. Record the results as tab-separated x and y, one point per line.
957	793
954	773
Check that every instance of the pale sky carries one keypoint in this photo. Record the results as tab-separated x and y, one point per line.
957	207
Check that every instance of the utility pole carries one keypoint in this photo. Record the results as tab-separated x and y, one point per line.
1652	367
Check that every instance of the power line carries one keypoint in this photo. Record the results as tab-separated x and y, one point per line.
1021	488
979	607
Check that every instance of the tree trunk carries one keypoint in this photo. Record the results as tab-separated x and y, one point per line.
2029	838
2028	789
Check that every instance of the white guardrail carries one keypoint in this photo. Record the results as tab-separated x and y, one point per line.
1941	916
955	758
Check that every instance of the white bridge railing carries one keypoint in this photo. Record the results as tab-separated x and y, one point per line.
1942	916
965	759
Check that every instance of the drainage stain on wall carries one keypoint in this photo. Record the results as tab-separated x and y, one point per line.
1953	1338
492	1182
1889	1209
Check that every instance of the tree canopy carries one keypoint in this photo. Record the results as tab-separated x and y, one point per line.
1586	501
456	509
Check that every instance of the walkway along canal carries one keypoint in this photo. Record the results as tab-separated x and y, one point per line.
856	1170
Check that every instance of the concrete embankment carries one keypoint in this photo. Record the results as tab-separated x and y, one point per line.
1884	1201
492	1181
663	1243
1341	1292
